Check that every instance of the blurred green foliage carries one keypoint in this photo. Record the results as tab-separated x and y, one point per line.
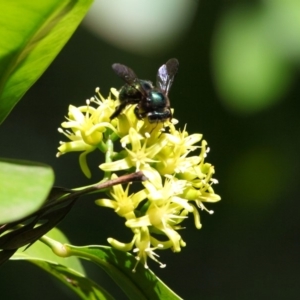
250	74
255	51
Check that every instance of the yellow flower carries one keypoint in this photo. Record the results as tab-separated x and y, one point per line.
143	241
138	155
174	158
85	127
179	180
144	249
166	210
123	204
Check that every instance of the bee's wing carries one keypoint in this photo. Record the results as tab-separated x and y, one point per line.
166	74
124	72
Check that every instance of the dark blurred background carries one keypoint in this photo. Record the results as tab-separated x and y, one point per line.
238	84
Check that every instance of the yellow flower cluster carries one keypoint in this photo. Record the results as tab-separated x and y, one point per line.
177	181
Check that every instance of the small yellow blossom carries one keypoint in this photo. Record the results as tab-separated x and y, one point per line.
123	204
144	249
85	128
139	155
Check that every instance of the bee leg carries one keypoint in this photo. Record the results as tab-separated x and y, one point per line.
138	114
118	110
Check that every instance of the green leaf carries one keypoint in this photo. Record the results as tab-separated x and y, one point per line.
143	284
32	34
68	270
23	189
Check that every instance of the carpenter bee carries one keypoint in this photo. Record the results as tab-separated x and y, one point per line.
152	102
